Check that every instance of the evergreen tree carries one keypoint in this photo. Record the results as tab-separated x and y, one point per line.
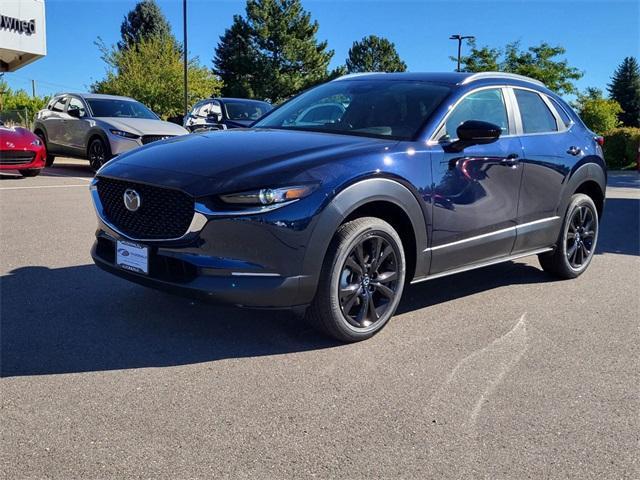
236	59
625	89
276	48
144	21
374	54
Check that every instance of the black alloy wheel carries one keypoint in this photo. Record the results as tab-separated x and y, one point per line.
581	236
98	154
369	281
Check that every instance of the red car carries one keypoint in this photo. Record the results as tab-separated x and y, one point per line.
21	150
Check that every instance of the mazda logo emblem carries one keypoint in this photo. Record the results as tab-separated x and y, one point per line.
132	200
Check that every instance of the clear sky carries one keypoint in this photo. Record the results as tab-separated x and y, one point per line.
597	34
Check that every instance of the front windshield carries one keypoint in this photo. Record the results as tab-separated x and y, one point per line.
239	110
103	107
377	108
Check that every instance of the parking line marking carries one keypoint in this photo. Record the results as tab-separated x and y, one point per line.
43	186
49	174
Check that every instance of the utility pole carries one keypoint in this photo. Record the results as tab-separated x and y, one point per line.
33	88
186	86
460	38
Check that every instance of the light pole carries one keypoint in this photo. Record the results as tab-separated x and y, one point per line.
460	38
186	86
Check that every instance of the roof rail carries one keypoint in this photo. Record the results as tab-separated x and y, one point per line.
512	76
355	75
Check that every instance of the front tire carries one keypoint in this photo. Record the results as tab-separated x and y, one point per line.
577	242
32	172
361	282
98	154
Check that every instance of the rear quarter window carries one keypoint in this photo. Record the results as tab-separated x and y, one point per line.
564	116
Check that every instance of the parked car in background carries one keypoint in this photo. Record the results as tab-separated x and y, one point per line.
21	150
98	127
422	176
224	113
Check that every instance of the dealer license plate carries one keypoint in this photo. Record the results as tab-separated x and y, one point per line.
132	257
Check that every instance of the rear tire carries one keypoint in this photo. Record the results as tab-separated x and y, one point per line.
98	153
361	282
577	242
50	158
32	172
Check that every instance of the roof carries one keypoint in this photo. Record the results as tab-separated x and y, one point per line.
224	99
92	96
448	78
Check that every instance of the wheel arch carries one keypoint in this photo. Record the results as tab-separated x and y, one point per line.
591	179
383	198
93	134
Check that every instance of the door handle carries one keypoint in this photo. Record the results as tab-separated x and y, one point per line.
511	160
574	151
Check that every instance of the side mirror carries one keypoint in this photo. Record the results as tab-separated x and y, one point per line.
74	112
474	132
214	117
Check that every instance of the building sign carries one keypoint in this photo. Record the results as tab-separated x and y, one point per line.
23	33
22	26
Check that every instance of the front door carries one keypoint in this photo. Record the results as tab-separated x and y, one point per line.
475	192
76	128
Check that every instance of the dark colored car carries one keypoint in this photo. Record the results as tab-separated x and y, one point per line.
224	113
423	175
21	150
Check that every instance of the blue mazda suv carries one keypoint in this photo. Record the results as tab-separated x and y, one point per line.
409	177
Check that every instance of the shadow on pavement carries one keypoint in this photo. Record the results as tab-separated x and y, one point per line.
60	169
620	227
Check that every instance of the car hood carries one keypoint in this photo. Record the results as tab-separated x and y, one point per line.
242	158
144	126
17	136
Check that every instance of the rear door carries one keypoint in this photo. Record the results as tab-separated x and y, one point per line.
550	150
475	192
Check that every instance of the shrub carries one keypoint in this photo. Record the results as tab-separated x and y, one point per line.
621	147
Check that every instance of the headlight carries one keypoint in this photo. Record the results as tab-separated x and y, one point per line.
269	196
37	142
122	133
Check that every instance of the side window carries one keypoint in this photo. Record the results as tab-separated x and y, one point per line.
561	112
485	105
536	116
58	106
76	104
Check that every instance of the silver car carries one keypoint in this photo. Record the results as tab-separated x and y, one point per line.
98	127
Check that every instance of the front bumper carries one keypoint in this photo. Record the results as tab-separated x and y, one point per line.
252	261
173	274
38	162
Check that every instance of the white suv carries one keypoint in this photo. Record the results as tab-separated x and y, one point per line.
98	127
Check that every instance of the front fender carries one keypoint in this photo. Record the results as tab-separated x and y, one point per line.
341	206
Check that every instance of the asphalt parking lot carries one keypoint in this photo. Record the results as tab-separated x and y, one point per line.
498	373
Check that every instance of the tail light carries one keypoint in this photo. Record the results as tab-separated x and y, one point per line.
599	140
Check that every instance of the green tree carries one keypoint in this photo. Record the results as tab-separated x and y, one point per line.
236	58
144	21
598	113
278	52
374	54
151	71
23	105
625	89
540	62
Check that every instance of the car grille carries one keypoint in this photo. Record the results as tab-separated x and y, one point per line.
164	213
16	157
154	138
